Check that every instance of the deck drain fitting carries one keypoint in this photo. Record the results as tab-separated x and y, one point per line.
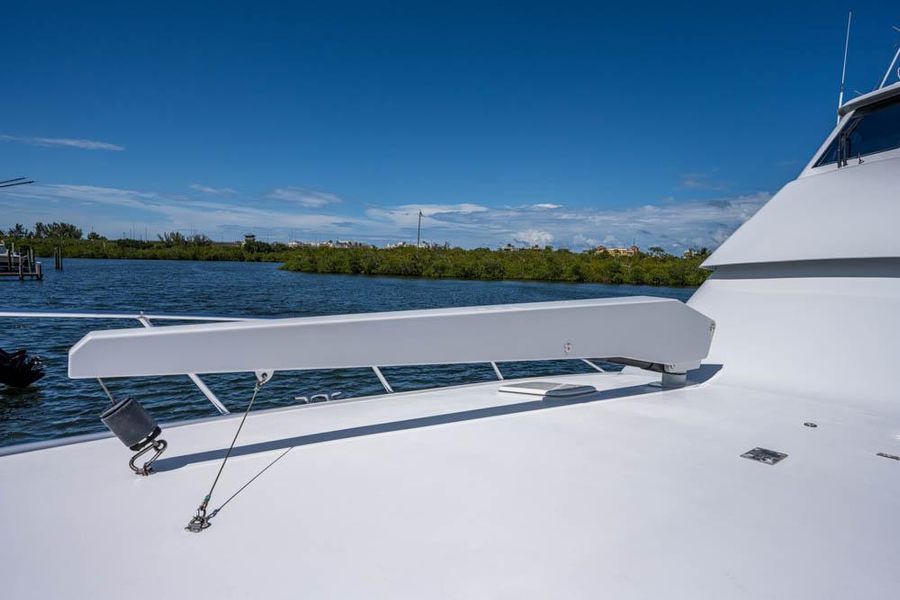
763	455
810	424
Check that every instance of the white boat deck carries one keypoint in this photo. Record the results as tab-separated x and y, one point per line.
466	493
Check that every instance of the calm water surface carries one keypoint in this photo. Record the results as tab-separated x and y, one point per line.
57	406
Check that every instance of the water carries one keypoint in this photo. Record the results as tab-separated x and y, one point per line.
57	406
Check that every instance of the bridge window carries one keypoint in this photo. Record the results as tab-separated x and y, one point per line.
871	129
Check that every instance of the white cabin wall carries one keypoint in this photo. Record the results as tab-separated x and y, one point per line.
852	212
833	338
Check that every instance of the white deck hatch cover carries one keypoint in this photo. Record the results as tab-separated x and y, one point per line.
548	389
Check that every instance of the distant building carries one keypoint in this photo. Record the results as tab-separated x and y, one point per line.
329	244
249	238
629	251
512	248
348	244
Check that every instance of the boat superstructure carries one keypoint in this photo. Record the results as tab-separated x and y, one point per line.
751	449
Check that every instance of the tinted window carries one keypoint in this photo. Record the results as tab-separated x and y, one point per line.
871	129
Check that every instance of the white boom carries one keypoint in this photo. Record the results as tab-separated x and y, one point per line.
654	330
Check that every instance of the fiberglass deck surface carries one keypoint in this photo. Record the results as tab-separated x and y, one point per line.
467	493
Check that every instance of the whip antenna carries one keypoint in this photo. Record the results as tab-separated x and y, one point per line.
844	67
891	66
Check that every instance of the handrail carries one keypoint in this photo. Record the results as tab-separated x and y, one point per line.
100	315
657	331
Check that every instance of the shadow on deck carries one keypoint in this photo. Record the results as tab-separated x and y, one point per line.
177	462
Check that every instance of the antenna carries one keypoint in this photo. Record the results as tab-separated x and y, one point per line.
891	66
15	182
844	67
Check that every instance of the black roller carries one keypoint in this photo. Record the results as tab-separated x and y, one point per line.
131	423
19	370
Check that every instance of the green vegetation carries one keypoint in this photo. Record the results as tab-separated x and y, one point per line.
654	267
170	246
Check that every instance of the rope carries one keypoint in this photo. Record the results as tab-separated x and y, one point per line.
200	520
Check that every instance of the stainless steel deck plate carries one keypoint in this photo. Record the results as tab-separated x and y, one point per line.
763	455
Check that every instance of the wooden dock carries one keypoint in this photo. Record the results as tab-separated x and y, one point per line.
20	266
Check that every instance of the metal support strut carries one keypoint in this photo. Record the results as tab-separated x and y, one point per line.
204	389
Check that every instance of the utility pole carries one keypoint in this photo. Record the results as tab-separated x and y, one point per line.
419	230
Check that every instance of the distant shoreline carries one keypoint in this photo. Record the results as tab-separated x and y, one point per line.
655	268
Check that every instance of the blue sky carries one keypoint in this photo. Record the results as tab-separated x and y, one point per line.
563	123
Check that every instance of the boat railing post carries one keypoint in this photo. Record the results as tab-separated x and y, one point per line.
381	378
592	365
204	389
497	371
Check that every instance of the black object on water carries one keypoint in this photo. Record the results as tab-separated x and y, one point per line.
20	370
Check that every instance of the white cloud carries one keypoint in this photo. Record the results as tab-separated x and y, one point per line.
464	208
534	237
546	206
304	197
453	216
701	181
582	241
671	224
62	142
160	212
211	190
